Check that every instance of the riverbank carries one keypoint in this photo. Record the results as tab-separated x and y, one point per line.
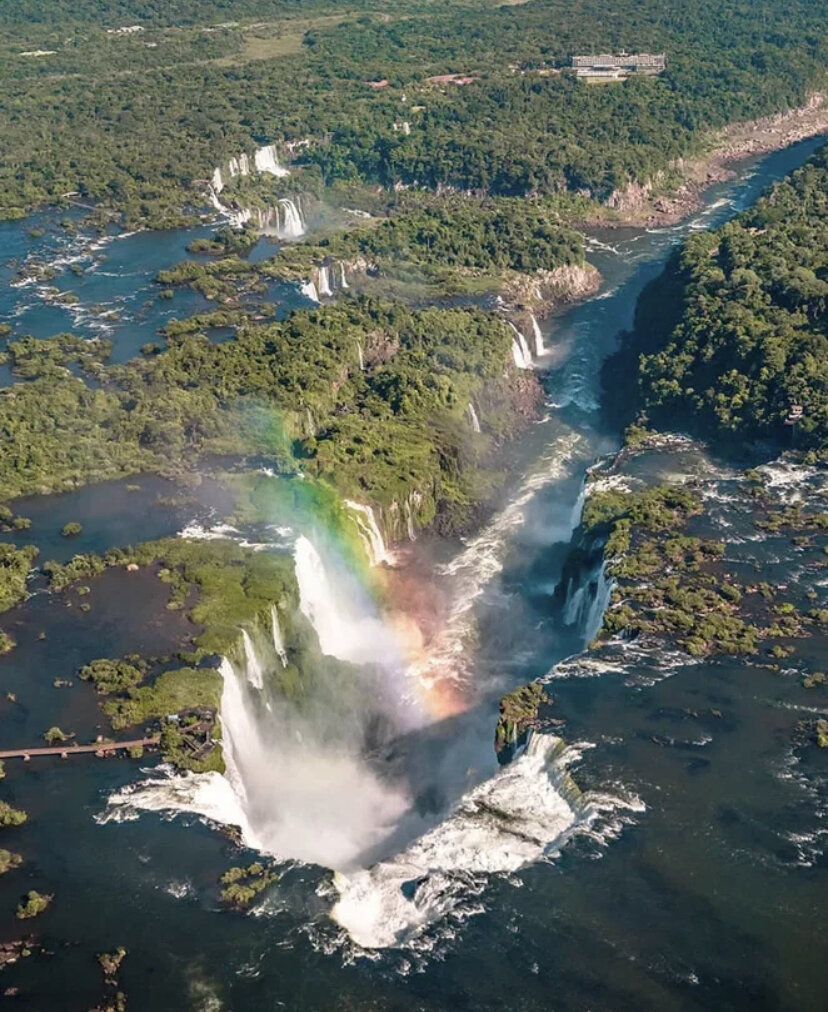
648	205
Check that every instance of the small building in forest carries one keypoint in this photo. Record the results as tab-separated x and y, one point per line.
617	66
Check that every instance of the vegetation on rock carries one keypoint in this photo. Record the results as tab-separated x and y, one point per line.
34	905
731	341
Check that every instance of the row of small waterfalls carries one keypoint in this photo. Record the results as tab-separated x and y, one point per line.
285	219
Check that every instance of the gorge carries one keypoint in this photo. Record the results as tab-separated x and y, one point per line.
387	772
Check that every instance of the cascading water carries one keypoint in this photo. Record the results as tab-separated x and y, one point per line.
266	160
343	281
587	601
308	289
292	224
278	640
253	666
409	521
233	166
540	347
473	419
302	796
370	534
361	356
325	282
238	219
520	349
524	813
216	181
244	165
600	601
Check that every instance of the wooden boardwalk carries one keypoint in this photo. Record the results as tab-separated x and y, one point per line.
65	750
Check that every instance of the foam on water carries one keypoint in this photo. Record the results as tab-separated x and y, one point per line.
522	815
473	570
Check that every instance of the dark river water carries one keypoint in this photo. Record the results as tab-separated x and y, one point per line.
698	883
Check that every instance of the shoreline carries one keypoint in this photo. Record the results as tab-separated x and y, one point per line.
643	206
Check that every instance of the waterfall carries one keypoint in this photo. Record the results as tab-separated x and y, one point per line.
473	419
311	425
578	508
342	279
216	181
361	356
586	603
233	166
370	534
600	601
266	160
255	674
308	289
244	165
278	640
214	200
292	225
409	520
299	793
520	349
346	627
540	347
238	219
324	282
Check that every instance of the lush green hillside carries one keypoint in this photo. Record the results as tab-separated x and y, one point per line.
136	119
745	337
293	391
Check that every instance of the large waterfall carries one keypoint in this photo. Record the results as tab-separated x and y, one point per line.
304	791
587	601
524	813
343	281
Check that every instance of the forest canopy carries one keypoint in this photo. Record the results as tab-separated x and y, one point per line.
136	121
745	340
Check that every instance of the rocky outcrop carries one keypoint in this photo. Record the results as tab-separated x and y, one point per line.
654	202
521	713
543	291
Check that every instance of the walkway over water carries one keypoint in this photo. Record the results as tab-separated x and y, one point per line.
65	750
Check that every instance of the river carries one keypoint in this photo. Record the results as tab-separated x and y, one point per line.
676	884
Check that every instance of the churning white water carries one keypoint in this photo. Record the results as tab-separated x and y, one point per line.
523	814
473	419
